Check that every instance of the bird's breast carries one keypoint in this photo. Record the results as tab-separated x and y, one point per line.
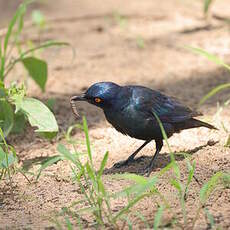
131	122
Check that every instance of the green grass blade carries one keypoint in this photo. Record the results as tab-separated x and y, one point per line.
207	4
128	221
191	169
65	152
166	169
85	127
208	187
174	165
91	174
48	44
48	163
157	219
68	223
133	177
142	218
126	208
162	130
43	46
226	180
21	9
0	49
164	135
227	144
103	163
211	57
101	187
210	218
176	185
214	91
137	189
2	58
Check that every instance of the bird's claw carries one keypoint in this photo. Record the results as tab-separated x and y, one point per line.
120	164
146	171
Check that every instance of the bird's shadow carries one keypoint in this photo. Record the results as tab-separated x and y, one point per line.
139	165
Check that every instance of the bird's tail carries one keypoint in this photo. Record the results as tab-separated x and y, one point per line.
193	123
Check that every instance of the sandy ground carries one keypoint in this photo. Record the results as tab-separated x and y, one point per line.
109	50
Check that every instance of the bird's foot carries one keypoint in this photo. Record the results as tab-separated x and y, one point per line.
147	170
122	163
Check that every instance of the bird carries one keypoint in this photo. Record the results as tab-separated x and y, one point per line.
133	110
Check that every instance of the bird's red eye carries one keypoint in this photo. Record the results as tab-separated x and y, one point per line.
97	100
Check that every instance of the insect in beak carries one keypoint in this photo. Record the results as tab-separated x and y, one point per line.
73	105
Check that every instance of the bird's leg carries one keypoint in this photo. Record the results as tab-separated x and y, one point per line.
159	144
131	157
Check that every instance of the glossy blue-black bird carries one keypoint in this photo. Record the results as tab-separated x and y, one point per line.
132	110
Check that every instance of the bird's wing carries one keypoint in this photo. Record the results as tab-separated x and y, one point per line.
168	109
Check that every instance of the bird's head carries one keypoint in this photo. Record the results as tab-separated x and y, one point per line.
101	94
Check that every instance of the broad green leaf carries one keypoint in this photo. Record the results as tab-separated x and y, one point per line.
19	123
50	103
39	116
2	154
2	89
37	69
38	18
6	117
10	161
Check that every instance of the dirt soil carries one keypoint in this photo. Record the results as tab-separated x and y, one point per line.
146	48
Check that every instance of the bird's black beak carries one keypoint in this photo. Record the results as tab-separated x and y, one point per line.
78	98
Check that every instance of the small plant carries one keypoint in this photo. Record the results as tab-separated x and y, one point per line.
15	107
95	202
